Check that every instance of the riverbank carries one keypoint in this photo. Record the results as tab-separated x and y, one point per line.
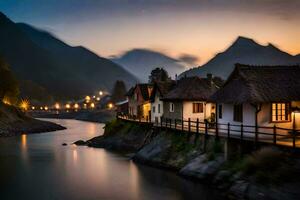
100	116
267	173
14	122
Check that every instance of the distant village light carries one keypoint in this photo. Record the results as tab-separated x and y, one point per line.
24	104
76	106
98	98
92	105
32	108
46	108
87	98
100	93
68	106
110	105
57	106
6	101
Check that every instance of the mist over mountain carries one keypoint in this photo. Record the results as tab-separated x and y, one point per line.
38	56
244	51
141	62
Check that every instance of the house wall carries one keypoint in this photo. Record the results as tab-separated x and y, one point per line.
132	106
227	117
156	115
177	114
208	108
263	119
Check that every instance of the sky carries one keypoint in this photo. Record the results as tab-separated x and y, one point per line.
190	29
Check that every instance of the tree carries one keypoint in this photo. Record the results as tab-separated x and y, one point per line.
158	75
119	92
9	88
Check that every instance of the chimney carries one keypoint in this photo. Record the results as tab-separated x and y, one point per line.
210	79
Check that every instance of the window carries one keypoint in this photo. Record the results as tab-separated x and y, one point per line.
158	108
153	109
172	108
197	107
238	113
281	112
135	96
220	111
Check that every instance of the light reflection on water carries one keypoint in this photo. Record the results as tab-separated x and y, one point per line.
39	167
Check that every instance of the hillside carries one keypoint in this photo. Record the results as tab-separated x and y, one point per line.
37	56
244	51
14	122
142	61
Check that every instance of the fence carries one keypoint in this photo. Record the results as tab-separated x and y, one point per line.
264	134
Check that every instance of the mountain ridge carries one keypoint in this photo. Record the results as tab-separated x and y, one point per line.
140	61
245	51
41	57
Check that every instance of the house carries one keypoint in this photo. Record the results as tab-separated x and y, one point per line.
188	100
260	96
160	89
139	106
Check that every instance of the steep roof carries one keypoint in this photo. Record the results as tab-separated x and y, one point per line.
130	91
192	88
162	88
145	90
259	84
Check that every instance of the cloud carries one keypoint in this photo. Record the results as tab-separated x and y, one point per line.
189	59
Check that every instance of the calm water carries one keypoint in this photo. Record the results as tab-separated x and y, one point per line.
39	167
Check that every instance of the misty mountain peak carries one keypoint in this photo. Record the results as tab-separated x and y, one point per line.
244	41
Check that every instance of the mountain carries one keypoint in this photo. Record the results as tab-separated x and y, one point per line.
244	51
38	56
142	61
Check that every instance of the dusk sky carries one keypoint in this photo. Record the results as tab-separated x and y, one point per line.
200	28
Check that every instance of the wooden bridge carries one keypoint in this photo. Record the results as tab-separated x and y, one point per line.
258	134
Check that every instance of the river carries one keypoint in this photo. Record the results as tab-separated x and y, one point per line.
38	167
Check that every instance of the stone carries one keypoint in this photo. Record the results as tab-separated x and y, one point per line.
239	189
80	143
201	168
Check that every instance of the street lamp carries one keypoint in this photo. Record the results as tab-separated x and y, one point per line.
57	106
100	93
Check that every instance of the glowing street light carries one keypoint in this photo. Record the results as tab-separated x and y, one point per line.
87	98
32	108
98	99
76	106
68	106
46	108
100	93
92	105
24	104
110	105
57	106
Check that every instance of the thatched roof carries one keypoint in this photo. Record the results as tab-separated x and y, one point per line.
259	84
162	88
192	89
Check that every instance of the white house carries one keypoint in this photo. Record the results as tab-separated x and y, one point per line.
188	100
261	96
159	90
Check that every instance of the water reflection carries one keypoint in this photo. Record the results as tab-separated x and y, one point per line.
41	168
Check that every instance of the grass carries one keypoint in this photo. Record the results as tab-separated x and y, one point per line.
267	166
